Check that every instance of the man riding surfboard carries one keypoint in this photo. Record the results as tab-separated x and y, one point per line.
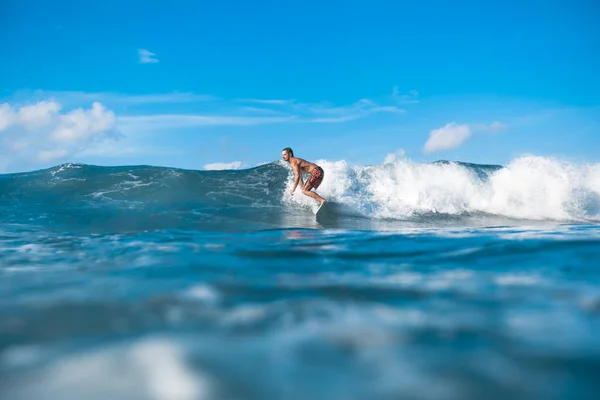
298	166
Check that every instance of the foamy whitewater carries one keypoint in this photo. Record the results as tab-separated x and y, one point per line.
422	281
534	188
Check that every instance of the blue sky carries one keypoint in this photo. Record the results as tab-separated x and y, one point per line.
190	83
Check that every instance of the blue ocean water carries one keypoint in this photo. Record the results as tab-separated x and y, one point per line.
425	281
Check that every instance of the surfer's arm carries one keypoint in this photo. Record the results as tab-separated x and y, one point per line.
297	177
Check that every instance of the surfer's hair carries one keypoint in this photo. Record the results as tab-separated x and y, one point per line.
289	150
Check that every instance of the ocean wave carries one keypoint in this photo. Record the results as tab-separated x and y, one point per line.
531	188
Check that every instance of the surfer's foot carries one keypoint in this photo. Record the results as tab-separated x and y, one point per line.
323	202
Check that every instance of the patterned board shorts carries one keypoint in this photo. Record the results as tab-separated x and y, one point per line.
315	178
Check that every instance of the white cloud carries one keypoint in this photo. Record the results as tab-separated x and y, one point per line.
147	57
40	133
393	157
222	166
453	135
7	116
447	137
30	117
38	115
84	124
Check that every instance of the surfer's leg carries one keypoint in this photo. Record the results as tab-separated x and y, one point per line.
314	195
313	182
306	190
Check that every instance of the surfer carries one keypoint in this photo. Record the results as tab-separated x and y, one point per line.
298	166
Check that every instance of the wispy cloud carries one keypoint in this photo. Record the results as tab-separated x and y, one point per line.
325	112
262	111
164	98
496	127
226	113
147	123
75	98
331	120
388	109
453	135
404	98
266	101
147	57
224	166
328	113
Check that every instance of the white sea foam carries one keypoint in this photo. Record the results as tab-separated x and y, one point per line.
151	368
202	292
530	187
517	280
64	167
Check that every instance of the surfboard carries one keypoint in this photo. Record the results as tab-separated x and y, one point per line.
328	214
320	207
328	208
